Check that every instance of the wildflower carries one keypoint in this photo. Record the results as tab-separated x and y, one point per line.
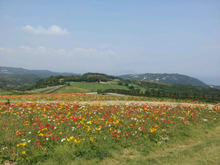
91	139
38	143
131	125
41	134
164	130
153	130
22	144
23	153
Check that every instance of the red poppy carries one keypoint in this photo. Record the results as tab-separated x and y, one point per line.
38	143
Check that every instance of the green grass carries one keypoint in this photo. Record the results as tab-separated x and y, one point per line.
200	146
5	92
89	87
75	87
10	92
78	87
46	90
136	86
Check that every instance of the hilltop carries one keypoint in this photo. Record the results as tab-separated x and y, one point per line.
18	77
172	79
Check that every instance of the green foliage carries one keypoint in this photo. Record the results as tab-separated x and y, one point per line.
91	151
165	78
22	79
183	90
61	80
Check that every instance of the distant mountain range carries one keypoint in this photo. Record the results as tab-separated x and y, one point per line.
21	71
172	79
15	77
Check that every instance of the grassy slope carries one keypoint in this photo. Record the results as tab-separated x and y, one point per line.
4	92
46	90
202	146
75	87
10	92
89	87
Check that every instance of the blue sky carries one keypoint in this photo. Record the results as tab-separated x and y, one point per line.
113	36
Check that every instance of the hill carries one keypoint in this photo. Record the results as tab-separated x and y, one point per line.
215	86
155	88
11	77
172	79
21	71
65	80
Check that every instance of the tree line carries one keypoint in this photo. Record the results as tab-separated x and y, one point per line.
175	95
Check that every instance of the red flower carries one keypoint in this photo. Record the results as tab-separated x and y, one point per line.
47	125
38	143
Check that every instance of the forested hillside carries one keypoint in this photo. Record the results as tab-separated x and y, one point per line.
165	78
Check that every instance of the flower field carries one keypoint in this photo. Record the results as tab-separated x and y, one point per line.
86	97
31	132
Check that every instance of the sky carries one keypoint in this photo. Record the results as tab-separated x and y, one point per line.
113	36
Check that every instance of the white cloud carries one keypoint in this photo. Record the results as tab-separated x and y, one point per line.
89	53
26	48
6	50
52	30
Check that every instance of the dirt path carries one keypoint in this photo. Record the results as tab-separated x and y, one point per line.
143	102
